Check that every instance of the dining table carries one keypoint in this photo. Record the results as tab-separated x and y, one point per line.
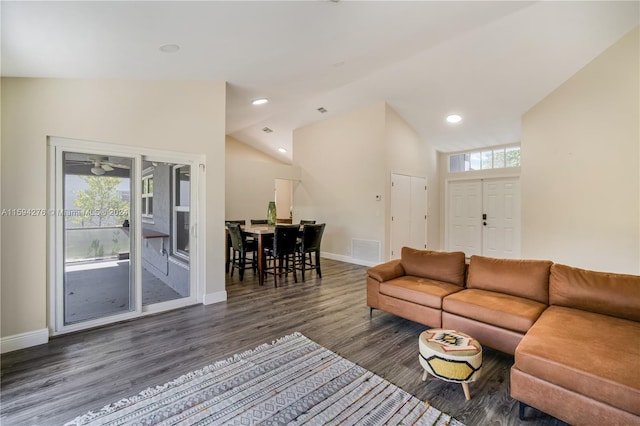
262	234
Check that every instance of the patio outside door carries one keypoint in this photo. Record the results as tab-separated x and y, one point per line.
123	233
94	218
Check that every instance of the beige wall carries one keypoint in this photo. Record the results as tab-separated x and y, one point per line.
581	165
250	180
342	169
346	161
236	150
174	116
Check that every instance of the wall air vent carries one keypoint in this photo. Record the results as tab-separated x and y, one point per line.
267	130
367	250
322	110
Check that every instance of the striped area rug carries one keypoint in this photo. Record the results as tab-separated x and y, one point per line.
291	381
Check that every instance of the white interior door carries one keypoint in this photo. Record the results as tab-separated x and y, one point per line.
418	212
501	228
400	213
408	213
465	213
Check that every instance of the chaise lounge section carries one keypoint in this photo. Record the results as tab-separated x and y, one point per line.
580	362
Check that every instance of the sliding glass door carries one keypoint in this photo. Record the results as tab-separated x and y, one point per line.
94	219
166	233
123	239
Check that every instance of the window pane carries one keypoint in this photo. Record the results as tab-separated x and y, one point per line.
456	163
145	186
182	231
144	205
513	157
475	161
498	158
487	160
150	207
150	185
182	186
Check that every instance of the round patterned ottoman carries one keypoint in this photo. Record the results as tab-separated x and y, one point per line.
450	355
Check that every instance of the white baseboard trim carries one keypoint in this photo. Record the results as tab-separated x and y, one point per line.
217	297
24	340
348	259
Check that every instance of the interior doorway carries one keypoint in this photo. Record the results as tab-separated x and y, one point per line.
484	217
284	200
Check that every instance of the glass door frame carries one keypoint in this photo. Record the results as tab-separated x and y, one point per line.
196	260
55	277
57	254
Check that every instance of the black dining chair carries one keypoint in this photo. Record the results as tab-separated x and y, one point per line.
229	248
259	221
241	246
281	254
308	246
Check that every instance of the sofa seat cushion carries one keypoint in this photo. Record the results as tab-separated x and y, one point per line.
591	354
422	291
498	309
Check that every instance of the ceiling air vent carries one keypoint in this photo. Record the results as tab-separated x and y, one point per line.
267	130
322	110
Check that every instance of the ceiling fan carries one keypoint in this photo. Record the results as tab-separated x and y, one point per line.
99	165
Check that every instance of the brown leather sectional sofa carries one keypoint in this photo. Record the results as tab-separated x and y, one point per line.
574	333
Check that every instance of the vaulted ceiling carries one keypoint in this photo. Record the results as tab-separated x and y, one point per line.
487	61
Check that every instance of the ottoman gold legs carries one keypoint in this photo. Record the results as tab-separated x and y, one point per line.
465	386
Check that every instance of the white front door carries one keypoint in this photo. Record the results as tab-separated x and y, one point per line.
484	217
501	227
465	212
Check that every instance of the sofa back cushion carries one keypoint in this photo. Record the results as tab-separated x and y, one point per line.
522	278
436	265
605	293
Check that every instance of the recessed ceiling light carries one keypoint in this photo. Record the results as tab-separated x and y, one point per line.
322	110
282	150
260	101
169	48
267	130
454	118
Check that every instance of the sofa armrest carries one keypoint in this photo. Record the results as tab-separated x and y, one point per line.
386	271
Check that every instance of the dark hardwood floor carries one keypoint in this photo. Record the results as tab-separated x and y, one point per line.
72	374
